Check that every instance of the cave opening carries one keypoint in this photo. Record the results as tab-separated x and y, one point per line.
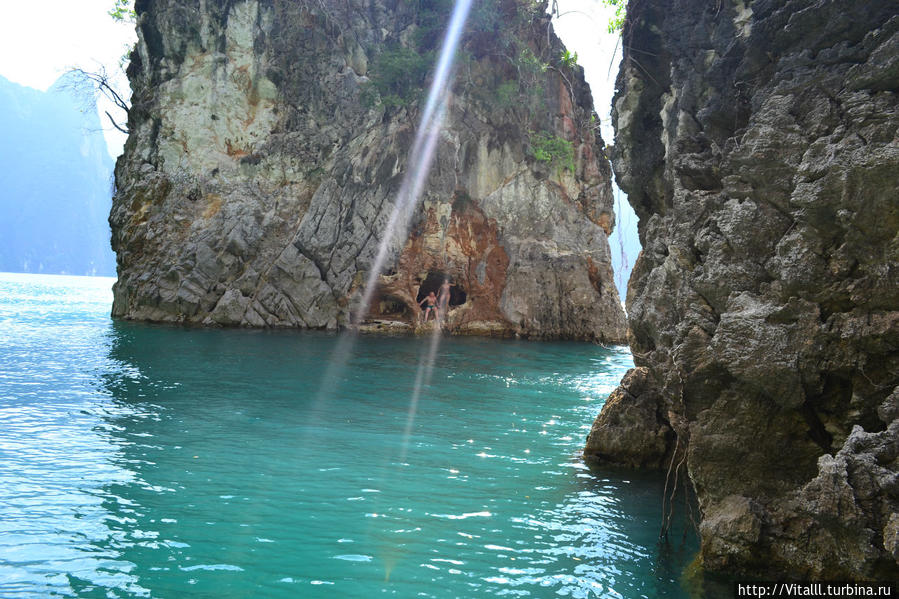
392	306
434	280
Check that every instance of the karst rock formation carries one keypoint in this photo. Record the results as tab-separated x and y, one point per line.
757	142
269	139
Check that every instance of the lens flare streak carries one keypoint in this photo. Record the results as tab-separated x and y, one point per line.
421	155
422	380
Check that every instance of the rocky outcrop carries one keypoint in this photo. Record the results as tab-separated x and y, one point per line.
630	431
269	140
757	142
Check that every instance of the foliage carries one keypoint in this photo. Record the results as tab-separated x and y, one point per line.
531	69
485	17
529	9
554	150
568	59
368	94
123	11
528	62
507	94
398	75
463	60
431	20
617	22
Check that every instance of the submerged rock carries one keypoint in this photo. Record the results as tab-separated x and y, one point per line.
757	144
269	140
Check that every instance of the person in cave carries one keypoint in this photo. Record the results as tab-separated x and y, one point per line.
432	305
443	298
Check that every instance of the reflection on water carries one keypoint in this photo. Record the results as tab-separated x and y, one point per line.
157	461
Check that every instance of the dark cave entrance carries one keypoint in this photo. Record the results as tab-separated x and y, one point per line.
384	305
433	282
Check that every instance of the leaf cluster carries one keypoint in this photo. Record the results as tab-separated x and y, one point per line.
485	17
616	23
122	11
553	150
398	75
529	63
431	19
507	94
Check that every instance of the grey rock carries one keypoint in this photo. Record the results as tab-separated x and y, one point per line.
230	309
258	179
734	527
629	431
757	144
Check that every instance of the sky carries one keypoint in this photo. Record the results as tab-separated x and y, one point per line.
37	45
582	25
39	42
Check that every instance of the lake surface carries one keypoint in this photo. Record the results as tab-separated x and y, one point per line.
154	461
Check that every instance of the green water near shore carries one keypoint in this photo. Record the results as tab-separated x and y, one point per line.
152	461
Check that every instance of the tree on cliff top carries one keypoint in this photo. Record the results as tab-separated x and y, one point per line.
92	85
615	23
123	11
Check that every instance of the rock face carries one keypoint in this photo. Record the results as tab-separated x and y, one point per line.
757	142
630	431
269	140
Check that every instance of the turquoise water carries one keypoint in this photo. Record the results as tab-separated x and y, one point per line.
151	461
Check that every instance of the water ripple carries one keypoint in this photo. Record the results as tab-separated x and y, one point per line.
140	461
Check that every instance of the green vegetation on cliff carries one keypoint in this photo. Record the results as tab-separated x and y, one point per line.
398	76
553	150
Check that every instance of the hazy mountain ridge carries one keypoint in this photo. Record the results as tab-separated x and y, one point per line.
55	184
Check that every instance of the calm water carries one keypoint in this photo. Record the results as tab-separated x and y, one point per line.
142	461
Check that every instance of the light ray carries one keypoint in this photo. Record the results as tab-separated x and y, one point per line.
420	158
422	380
422	153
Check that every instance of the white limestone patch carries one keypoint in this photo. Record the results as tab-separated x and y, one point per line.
742	19
667	114
221	106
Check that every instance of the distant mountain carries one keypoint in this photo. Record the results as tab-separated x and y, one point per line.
55	184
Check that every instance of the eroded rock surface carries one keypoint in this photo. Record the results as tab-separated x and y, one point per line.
757	142
630	431
269	141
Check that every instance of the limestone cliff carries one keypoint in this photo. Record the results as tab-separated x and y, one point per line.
269	139
757	141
